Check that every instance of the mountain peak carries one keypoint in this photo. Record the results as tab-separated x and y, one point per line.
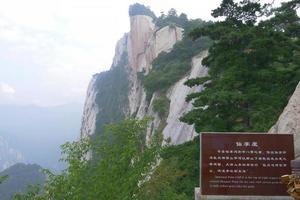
140	9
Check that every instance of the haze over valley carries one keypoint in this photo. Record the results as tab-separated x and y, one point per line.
33	134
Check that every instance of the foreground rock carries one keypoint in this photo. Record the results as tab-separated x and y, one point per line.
289	120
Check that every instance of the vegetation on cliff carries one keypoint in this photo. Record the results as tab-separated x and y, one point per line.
140	9
112	90
176	176
170	67
161	105
253	67
171	19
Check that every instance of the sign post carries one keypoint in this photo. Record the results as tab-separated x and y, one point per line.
244	165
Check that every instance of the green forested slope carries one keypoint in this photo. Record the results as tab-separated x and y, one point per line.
19	176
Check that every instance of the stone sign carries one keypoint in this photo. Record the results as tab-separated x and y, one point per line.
249	164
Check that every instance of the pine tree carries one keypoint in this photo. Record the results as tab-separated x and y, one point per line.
253	67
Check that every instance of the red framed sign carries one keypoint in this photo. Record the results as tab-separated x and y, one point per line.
249	164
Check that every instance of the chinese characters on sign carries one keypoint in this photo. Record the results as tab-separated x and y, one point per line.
245	164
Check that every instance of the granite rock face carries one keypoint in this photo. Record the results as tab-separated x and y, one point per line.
145	43
177	131
142	45
90	111
289	120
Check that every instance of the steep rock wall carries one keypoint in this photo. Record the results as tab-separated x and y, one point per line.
90	111
174	34
91	107
120	49
174	130
143	44
289	120
162	40
141	30
177	131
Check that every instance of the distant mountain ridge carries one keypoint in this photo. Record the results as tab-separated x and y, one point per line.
19	177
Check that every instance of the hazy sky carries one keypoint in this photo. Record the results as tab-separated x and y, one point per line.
49	49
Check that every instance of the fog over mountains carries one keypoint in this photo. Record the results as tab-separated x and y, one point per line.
33	134
8	155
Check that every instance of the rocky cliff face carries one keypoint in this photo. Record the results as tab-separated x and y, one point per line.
134	54
177	131
141	30
107	94
91	110
145	43
289	120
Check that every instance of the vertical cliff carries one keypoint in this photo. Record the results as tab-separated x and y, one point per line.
91	110
177	131
107	93
120	93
